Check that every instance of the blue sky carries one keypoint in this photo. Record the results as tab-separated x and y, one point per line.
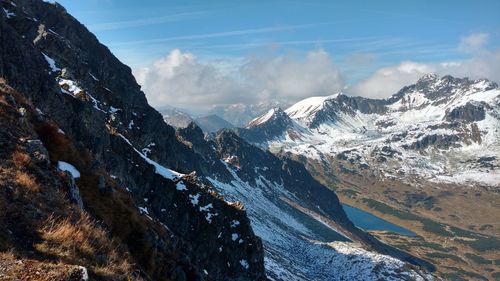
360	37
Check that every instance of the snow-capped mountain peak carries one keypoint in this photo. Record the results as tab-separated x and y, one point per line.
424	125
305	109
273	114
442	89
428	77
268	126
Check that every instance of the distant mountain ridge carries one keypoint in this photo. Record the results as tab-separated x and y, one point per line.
427	157
180	119
175	117
438	115
240	114
213	123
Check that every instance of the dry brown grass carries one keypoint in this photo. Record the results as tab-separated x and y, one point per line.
21	159
68	236
14	268
27	181
82	242
45	222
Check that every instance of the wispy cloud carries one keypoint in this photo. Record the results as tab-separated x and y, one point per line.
482	63
285	43
218	34
403	46
145	22
473	42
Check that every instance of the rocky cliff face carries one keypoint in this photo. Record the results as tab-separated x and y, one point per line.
46	234
94	99
442	89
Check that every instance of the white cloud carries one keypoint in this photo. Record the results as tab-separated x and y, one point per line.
482	63
388	80
293	78
473	42
181	80
486	64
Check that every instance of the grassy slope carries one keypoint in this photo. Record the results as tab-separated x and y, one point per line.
42	229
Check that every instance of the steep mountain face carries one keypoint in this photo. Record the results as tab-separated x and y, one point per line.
318	110
441	129
94	99
63	221
30	199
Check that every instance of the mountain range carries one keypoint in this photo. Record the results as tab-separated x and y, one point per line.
177	118
96	185
438	129
426	158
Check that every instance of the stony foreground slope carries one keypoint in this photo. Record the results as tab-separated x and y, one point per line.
48	57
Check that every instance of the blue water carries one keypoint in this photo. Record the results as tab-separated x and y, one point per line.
367	221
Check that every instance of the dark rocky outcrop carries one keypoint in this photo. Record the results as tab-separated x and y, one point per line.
73	190
438	141
364	105
343	104
37	151
470	112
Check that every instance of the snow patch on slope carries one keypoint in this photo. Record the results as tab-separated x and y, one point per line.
159	169
52	63
65	166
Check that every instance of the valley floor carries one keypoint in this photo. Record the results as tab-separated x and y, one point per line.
456	227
